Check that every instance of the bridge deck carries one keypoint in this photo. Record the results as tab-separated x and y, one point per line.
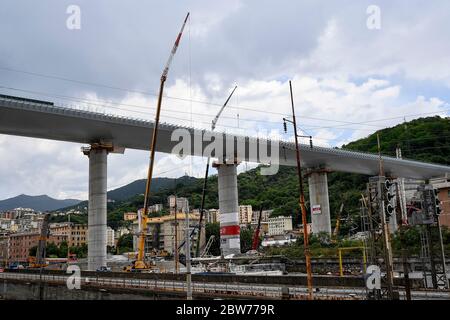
31	118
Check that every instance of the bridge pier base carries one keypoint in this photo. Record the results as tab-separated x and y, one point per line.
319	201
230	240
98	155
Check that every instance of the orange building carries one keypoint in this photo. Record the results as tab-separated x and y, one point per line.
130	216
76	233
21	243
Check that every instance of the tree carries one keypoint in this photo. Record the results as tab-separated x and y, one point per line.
124	243
62	250
246	239
52	250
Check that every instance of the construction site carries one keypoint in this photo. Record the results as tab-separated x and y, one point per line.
387	239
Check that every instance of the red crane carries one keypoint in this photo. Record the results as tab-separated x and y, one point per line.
255	243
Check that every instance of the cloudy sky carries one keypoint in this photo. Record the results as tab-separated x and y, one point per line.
349	80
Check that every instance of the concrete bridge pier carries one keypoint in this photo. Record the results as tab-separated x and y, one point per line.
98	154
230	240
319	201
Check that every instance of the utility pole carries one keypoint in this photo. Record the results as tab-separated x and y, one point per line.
402	242
384	226
441	243
188	260
302	201
176	237
68	240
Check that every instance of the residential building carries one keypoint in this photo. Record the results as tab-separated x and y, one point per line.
279	225
265	216
300	229
212	216
443	185
21	243
121	232
245	214
4	248
110	240
161	232
6	224
156	208
18	213
168	231
77	234
130	216
180	203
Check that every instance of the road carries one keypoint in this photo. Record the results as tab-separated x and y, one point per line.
249	291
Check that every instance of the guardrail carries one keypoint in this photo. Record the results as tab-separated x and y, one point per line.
200	288
208	289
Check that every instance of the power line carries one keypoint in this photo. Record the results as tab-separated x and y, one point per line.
248	108
408	140
93	102
379	120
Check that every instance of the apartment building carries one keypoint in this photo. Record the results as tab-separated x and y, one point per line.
245	214
279	225
21	243
77	234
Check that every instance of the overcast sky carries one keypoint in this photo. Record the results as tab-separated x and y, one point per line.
348	79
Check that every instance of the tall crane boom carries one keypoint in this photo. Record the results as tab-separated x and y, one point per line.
255	243
140	263
216	118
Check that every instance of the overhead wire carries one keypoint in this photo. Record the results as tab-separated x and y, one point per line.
241	107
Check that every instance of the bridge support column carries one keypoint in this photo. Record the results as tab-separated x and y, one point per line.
98	155
319	201
230	240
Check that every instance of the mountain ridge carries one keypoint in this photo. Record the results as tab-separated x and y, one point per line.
39	203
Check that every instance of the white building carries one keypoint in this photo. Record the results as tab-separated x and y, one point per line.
182	204
279	225
110	237
121	232
265	216
245	214
155	208
212	216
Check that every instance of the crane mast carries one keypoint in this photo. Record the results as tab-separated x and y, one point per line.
255	242
140	262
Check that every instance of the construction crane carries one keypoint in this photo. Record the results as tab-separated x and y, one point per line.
255	243
205	182
140	264
39	261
